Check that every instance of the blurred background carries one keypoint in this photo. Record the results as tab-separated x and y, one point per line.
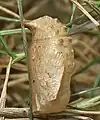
86	46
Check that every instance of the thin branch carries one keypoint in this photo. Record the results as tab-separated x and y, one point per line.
93	6
24	113
3	94
71	118
14	112
9	11
4	91
19	119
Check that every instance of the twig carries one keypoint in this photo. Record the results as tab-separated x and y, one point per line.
85	12
4	91
93	6
68	118
24	113
9	11
19	119
3	94
14	112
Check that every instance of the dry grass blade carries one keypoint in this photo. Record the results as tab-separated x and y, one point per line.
93	6
85	12
4	91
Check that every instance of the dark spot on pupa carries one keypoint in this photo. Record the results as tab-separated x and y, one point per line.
60	41
57	32
33	81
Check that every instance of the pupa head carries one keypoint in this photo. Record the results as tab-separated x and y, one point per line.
46	26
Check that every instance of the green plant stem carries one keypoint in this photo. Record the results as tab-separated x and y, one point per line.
6	47
13	31
26	50
96	84
71	19
19	57
10	19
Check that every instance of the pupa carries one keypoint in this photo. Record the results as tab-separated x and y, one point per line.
51	64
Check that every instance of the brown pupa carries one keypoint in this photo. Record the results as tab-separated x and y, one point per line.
51	63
